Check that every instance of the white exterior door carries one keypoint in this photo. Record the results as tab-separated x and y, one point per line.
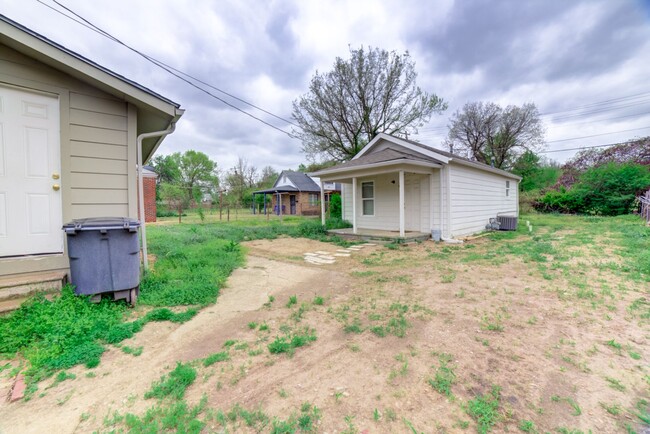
412	203
30	168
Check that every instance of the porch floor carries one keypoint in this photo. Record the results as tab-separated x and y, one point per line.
379	235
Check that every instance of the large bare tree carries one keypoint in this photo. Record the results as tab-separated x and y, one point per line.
494	135
373	91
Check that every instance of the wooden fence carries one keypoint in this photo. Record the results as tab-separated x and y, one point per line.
645	206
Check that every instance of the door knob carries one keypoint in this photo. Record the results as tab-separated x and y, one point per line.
56	187
55	176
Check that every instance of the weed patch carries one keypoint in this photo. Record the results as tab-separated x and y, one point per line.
444	376
484	409
288	344
173	384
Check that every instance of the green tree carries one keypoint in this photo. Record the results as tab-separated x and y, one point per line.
198	173
373	91
536	172
167	167
175	197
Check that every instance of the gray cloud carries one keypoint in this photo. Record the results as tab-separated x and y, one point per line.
558	54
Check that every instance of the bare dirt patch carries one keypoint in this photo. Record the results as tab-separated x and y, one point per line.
387	318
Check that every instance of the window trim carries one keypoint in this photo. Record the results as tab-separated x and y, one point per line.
316	201
363	200
507	188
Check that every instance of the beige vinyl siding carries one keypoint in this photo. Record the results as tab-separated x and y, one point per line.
97	148
476	196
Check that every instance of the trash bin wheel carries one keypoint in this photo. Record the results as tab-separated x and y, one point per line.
133	295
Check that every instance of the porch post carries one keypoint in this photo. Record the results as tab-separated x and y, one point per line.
264	203
354	205
431	206
401	203
322	204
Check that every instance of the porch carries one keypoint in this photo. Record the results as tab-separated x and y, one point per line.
381	236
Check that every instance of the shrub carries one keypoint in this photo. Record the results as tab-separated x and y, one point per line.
608	190
335	207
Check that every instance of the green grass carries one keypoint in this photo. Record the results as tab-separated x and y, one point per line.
527	426
484	409
193	262
444	376
288	343
174	384
216	357
133	351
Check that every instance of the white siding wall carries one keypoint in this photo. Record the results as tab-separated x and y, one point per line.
476	196
346	201
387	202
436	200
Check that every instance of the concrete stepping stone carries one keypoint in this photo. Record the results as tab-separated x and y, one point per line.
320	252
343	251
343	255
326	257
311	254
319	261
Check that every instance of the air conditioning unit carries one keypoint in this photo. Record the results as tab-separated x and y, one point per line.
507	222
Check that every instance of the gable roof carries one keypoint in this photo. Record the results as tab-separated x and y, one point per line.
417	148
155	113
300	181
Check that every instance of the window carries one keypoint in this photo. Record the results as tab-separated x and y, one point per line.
368	197
313	199
507	188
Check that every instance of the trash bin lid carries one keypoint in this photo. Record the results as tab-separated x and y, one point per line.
101	223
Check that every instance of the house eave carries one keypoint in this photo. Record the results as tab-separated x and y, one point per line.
42	49
485	168
403	143
327	173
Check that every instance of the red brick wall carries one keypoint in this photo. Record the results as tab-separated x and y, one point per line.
302	204
149	188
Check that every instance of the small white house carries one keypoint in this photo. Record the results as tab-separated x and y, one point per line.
405	187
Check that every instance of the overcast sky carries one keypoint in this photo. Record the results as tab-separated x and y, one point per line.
585	63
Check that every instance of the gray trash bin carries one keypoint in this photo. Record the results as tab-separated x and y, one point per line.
104	257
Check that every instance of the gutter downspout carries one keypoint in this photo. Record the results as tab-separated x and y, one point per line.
143	226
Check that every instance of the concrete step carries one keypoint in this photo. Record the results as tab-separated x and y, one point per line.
16	288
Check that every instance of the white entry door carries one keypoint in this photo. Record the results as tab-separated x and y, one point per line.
412	203
30	168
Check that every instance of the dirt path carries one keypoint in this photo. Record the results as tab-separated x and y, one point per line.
121	379
562	358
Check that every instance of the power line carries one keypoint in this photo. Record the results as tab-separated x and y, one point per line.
596	135
173	71
580	148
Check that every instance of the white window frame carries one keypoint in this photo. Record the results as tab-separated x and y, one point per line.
315	197
364	199
507	188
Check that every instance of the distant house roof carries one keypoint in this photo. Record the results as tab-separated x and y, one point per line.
292	181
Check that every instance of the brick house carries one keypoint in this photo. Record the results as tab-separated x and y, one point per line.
297	193
149	178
